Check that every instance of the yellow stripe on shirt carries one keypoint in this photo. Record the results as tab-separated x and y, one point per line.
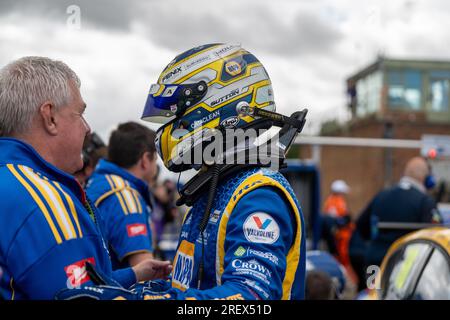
135	195
113	186
72	208
38	201
125	193
51	201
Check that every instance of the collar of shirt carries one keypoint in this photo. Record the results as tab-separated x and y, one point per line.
107	167
17	152
407	182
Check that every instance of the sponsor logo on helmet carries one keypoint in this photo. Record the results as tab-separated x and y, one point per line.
196	62
233	68
209	117
226	97
230	122
171	74
261	228
224	50
169	91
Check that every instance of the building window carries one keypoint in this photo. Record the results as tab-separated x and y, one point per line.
405	88
368	90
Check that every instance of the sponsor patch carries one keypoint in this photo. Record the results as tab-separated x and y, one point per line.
183	266
240	251
77	274
251	268
214	217
261	228
136	229
233	297
265	255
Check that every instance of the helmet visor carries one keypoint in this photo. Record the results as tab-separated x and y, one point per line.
161	105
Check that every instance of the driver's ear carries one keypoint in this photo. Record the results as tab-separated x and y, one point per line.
47	111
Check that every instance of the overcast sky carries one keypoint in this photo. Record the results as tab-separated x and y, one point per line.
309	48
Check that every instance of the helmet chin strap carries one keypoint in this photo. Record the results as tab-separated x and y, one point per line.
291	126
198	185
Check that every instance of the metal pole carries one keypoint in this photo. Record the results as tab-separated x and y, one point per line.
358	142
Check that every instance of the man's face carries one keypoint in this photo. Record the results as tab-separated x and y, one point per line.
72	130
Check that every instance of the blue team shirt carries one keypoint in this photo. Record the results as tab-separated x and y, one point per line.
46	232
124	205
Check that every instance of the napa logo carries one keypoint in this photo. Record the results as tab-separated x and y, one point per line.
233	68
261	228
183	266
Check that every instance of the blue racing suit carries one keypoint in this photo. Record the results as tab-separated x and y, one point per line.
254	242
124	204
48	229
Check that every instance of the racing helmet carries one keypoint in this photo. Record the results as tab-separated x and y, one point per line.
200	91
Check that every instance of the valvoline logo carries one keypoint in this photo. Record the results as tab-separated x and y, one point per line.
260	227
260	224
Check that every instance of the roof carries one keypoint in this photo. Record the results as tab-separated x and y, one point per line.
382	62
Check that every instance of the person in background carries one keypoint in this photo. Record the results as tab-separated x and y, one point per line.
336	203
119	188
319	286
94	149
318	262
338	225
407	202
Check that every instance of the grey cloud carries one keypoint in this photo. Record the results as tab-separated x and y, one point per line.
182	25
180	28
109	14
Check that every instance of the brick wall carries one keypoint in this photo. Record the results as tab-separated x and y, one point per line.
363	168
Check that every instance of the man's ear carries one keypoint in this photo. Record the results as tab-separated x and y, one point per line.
47	112
145	160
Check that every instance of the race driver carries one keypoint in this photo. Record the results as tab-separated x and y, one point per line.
243	237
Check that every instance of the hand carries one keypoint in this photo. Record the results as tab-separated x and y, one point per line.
151	269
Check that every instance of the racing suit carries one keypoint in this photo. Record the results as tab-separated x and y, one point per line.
123	202
254	242
48	229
